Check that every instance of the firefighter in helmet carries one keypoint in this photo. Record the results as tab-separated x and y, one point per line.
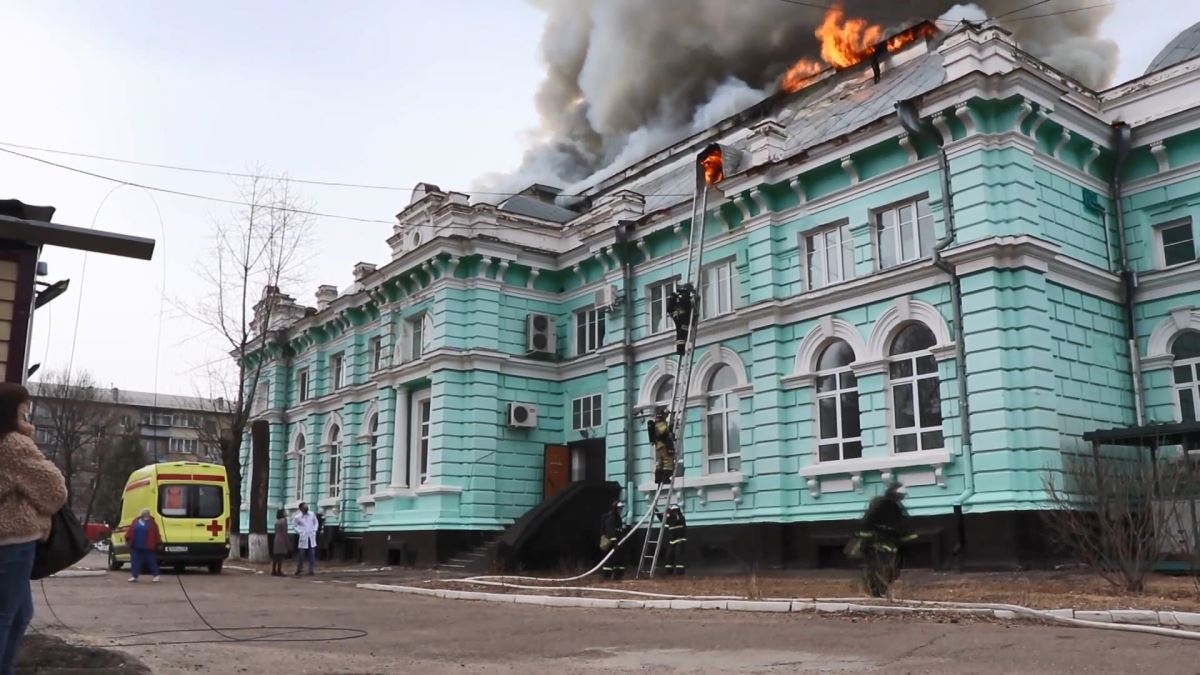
612	529
680	306
882	532
676	538
663	440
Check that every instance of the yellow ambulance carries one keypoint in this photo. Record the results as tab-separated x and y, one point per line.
190	503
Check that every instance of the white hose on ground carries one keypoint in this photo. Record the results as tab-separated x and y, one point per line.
649	513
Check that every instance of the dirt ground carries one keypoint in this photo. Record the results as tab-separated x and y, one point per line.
332	627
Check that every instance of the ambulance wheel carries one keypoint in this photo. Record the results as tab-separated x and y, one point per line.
215	568
113	563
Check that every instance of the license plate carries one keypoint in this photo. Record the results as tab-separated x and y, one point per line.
175	549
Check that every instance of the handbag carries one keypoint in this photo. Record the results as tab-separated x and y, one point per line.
66	545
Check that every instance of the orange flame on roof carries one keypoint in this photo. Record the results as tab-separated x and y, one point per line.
714	165
846	42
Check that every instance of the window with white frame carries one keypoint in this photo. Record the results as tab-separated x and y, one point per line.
664	393
337	370
184	445
656	297
420	336
829	256
335	461
373	440
302	385
1176	242
722	434
298	478
589	331
839	430
1186	371
586	412
716	289
916	399
905	233
422	409
375	353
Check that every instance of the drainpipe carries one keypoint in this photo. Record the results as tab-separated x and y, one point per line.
1122	134
624	229
914	125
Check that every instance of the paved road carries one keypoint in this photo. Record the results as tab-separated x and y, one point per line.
408	633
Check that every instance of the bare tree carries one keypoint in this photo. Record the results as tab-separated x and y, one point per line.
1113	513
260	247
74	417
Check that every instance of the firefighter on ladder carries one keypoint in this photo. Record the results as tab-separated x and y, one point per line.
680	306
612	528
663	440
676	537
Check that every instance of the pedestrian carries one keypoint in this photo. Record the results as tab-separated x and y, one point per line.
676	536
306	526
282	543
31	491
882	532
142	537
612	528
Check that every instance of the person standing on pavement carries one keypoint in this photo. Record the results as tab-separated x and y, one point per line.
306	526
143	538
31	491
883	530
612	528
676	536
279	549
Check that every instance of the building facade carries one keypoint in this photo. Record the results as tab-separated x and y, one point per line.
422	404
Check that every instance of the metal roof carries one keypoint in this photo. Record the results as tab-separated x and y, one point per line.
1185	47
142	399
535	208
54	234
1149	435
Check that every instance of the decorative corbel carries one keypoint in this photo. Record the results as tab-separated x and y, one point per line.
1042	116
1093	154
797	186
701	496
534	273
963	112
432	270
759	199
907	146
743	204
942	124
1160	155
501	269
887	475
455	263
1063	139
939	474
857	481
737	494
641	246
814	486
850	169
1027	113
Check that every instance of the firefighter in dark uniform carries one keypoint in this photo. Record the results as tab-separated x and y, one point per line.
882	532
663	440
680	306
676	537
612	528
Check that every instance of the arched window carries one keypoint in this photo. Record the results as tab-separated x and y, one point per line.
373	439
335	460
1186	351
722	437
664	392
916	401
839	431
298	485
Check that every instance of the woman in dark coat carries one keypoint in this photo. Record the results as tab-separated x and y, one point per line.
280	547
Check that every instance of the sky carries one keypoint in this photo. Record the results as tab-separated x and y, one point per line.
381	92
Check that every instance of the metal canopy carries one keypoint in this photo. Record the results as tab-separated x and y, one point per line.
1149	435
53	234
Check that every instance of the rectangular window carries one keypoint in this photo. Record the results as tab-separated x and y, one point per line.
586	412
589	331
905	233
1186	374
178	500
302	385
1177	242
337	370
716	289
185	445
424	407
829	256
657	297
420	331
376	354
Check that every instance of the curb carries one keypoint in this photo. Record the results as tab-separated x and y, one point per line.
70	573
1141	617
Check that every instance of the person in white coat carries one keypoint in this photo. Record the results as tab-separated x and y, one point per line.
305	525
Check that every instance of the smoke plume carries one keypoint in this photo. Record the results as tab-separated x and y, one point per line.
624	78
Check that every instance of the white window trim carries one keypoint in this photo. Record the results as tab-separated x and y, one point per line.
877	238
1193	388
706	412
582	314
731	262
415	480
375	353
586	411
365	438
667	324
1160	254
337	380
836	394
890	382
888	464
842	227
303	385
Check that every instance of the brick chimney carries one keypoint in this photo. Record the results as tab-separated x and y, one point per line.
325	295
363	270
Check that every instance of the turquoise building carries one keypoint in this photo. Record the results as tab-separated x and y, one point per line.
507	350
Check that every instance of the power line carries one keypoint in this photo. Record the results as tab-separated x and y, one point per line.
1018	10
1061	12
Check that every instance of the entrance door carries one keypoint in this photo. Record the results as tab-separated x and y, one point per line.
557	472
588	460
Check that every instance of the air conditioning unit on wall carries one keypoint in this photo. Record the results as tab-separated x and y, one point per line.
540	332
522	415
606	297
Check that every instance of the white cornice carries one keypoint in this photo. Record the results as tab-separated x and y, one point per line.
1166	283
